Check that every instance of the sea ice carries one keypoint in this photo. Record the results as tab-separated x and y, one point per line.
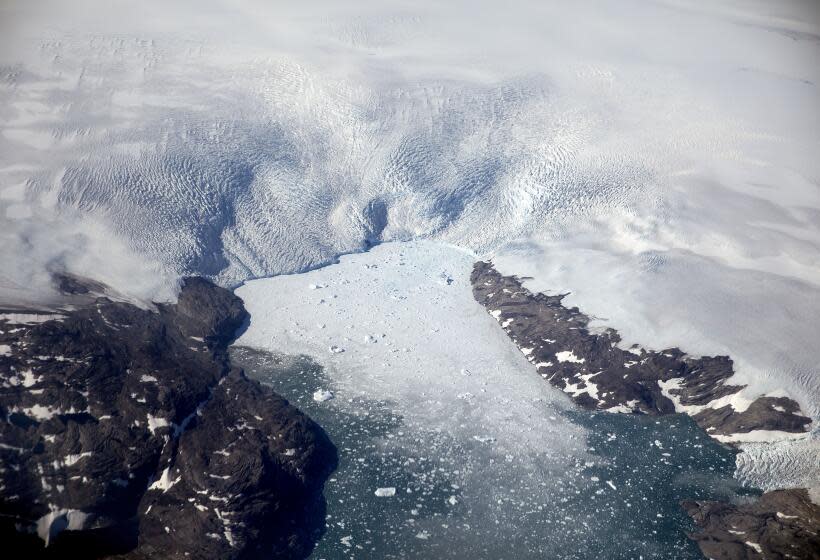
322	395
387	492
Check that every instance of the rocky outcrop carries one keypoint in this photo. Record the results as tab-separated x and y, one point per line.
781	524
599	375
126	431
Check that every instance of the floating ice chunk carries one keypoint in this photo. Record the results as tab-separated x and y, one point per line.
452	500
387	492
148	379
5	350
336	349
322	395
611	484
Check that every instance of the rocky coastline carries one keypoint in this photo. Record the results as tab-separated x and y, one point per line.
128	433
597	374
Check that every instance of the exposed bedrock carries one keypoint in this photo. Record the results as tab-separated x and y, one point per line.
598	375
126	431
781	524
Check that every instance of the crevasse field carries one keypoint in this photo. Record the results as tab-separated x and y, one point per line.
656	159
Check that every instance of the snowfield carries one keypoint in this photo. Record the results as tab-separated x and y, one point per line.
262	139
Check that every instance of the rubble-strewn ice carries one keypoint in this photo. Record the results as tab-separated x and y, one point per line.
482	452
433	331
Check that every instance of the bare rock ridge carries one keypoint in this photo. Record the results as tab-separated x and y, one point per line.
781	524
127	432
598	375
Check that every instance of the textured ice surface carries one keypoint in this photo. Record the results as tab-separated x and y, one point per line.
264	138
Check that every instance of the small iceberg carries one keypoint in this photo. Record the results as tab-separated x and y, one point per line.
322	395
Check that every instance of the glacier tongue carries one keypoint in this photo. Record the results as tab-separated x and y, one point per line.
429	330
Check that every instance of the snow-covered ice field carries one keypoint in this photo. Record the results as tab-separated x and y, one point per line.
239	140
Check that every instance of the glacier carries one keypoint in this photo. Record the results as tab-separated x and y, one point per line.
657	159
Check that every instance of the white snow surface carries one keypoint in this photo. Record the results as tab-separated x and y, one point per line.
263	138
766	322
58	520
165	481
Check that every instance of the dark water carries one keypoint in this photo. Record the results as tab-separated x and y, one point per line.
621	503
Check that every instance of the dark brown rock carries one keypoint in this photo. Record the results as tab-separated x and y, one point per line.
598	375
779	525
126	431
